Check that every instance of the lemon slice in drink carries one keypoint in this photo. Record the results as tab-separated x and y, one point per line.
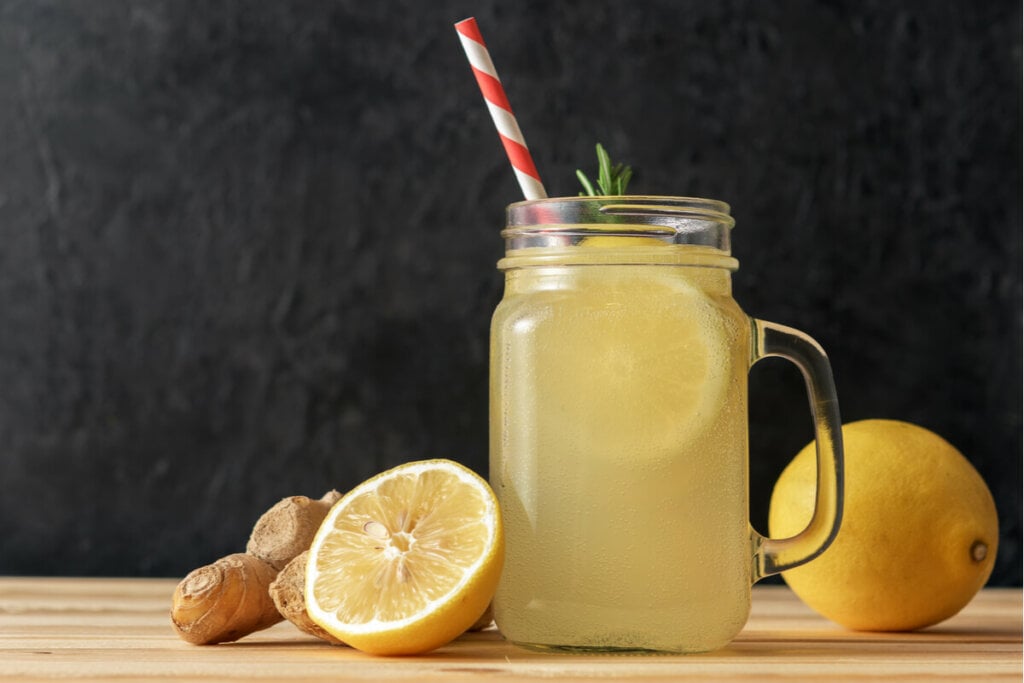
408	560
640	365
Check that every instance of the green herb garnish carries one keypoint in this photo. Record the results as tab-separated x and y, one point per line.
611	180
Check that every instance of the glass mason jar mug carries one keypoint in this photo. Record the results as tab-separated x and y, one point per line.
618	412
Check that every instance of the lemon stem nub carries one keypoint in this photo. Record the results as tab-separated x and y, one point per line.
978	551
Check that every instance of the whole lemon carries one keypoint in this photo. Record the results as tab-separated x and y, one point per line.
918	537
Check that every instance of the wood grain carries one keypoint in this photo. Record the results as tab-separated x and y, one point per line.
118	629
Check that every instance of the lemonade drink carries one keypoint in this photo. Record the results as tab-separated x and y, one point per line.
619	364
619	415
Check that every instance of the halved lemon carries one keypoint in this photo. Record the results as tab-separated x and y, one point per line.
408	560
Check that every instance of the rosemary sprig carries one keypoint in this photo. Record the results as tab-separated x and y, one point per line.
611	180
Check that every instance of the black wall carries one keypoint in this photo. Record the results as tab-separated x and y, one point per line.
247	249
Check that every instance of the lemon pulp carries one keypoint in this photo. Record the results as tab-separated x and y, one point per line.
407	560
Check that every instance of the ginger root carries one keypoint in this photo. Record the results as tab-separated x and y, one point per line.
225	600
230	598
288	528
288	592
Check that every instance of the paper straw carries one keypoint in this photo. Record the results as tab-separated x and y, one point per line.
501	111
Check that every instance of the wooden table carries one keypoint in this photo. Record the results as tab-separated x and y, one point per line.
118	629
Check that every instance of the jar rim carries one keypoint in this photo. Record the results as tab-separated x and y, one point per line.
642	209
711	205
566	221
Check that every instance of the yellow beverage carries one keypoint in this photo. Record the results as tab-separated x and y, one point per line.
619	364
619	451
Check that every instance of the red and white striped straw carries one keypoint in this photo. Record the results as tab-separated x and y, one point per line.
501	111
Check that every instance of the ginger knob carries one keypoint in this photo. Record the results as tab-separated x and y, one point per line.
288	528
225	600
289	594
230	598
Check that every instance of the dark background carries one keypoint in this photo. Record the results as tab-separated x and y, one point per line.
247	249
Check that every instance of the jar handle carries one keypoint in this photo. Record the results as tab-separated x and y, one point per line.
771	555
